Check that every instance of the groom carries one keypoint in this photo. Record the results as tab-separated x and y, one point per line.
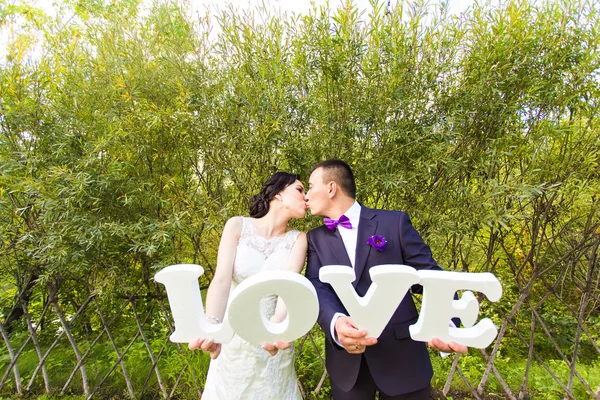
359	366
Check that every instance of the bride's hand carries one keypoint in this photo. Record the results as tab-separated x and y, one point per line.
273	348
207	345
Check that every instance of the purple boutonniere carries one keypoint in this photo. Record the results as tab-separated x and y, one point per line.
377	242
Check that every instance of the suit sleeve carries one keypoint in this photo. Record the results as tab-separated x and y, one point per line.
416	253
329	303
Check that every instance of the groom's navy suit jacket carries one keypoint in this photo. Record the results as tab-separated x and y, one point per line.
397	363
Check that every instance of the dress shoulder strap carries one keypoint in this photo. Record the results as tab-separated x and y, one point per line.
246	227
290	238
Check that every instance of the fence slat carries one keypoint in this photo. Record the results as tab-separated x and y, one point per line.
149	350
54	343
36	345
13	360
114	345
450	375
84	379
167	315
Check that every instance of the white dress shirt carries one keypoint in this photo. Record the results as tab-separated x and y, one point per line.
349	238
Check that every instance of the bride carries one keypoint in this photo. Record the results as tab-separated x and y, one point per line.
250	245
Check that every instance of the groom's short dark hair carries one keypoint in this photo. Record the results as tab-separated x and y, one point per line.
339	172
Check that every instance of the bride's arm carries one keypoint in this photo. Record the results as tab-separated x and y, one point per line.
218	290
296	264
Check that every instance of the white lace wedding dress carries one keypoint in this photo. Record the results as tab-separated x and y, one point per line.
244	370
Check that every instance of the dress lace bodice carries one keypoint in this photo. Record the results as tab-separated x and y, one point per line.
256	253
249	237
244	370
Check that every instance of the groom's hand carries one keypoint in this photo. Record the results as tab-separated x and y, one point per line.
450	347
354	340
207	345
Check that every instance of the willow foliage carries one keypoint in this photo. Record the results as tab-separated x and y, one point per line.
129	135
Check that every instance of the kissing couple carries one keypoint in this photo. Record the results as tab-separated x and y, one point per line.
392	365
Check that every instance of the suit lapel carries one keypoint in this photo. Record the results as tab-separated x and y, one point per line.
366	228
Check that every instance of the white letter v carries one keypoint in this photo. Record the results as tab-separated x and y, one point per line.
373	311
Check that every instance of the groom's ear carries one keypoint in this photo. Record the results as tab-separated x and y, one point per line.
332	189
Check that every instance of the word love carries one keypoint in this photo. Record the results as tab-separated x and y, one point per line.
372	312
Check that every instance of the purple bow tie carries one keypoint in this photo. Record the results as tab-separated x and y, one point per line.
332	223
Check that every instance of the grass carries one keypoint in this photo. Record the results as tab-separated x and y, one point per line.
540	385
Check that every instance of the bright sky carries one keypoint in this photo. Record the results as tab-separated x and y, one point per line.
298	6
198	7
302	6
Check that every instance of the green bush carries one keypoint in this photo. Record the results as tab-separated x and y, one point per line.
129	136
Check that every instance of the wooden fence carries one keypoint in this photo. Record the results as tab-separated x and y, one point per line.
144	310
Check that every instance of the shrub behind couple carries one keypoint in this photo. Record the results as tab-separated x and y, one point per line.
393	364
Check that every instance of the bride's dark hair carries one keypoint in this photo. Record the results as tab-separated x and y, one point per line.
259	204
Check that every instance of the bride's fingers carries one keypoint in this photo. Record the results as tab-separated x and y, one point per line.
270	348
195	344
208	345
283	345
214	353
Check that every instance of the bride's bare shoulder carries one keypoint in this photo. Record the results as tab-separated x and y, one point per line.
301	238
234	225
237	220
